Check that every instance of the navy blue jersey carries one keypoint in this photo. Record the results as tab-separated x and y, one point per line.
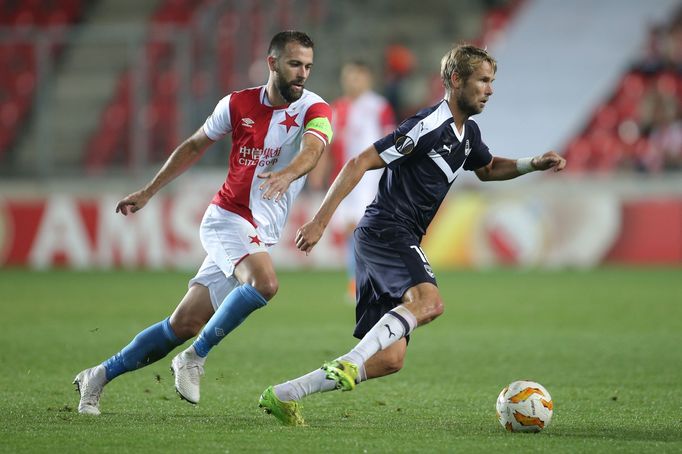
423	156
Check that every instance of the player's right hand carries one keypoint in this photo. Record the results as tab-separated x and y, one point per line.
308	236
549	160
133	202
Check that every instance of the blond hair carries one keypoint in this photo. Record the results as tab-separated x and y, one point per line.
463	60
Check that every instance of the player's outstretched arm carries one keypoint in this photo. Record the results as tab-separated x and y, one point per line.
506	169
351	173
186	154
275	184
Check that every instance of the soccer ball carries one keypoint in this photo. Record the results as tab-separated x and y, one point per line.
524	406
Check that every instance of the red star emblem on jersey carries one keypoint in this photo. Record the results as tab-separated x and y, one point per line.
289	121
255	239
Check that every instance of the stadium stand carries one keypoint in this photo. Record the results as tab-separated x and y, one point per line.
639	127
109	142
134	76
495	21
18	56
161	113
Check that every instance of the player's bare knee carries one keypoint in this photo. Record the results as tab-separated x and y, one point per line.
267	287
437	308
185	326
432	309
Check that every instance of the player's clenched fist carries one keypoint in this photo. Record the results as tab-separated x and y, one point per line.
549	160
308	236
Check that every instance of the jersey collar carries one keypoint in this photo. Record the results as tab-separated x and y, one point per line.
266	102
460	137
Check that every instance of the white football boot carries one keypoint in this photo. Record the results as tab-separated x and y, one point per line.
89	384
188	367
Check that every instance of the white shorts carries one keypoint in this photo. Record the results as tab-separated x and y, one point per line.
227	239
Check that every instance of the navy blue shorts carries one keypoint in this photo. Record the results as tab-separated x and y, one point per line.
388	262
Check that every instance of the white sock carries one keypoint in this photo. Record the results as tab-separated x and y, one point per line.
296	389
362	374
313	382
393	326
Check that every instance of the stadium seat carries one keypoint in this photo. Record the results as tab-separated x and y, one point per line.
160	112
18	77
614	131
646	98
578	155
606	118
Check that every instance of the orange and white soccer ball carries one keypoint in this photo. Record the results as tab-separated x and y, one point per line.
524	406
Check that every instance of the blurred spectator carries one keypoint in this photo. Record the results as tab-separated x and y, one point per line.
400	63
359	118
652	59
640	128
666	143
663	49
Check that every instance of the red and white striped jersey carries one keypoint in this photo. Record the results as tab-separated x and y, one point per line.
264	139
358	123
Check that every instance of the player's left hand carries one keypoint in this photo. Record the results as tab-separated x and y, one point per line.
275	184
133	202
308	236
549	160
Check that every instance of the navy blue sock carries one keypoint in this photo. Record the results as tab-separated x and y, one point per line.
232	312
150	345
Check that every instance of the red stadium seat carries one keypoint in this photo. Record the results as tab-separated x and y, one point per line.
18	75
9	119
633	86
615	137
57	18
201	82
627	108
606	118
9	114
607	152
578	155
161	110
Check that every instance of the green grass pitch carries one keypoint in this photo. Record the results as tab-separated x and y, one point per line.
606	343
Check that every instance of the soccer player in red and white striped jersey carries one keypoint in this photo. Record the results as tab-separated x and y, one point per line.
279	131
361	116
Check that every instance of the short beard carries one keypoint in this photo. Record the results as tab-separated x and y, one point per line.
285	89
466	108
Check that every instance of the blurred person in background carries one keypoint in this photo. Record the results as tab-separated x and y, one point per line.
400	63
666	143
397	289
659	122
279	131
360	117
659	112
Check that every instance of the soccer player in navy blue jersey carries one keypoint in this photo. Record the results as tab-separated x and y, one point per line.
396	288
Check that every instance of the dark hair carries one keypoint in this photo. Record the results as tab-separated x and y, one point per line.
281	39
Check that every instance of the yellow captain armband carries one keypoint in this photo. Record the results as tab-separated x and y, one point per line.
322	126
